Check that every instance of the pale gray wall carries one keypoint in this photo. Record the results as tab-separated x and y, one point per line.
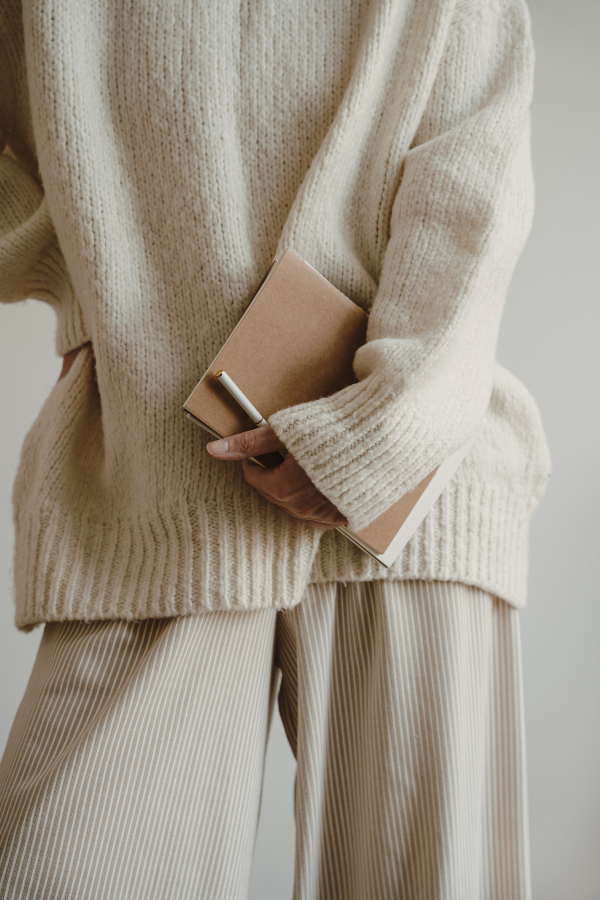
550	340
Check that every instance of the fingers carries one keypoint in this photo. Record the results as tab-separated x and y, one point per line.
288	486
68	360
330	520
246	444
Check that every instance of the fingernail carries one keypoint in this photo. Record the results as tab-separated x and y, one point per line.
219	447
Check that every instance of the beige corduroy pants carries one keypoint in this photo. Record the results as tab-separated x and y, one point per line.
135	763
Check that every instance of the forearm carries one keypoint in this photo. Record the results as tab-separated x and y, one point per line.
460	219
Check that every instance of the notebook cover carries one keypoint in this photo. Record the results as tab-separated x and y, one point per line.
295	343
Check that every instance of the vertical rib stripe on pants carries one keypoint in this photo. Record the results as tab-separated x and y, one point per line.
134	767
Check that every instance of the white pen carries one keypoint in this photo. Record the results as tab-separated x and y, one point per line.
241	398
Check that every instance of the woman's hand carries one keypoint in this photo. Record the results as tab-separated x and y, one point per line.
287	485
68	360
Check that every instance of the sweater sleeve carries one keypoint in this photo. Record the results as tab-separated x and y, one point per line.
459	221
31	262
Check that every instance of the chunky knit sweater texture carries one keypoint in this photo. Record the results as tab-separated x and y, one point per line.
156	156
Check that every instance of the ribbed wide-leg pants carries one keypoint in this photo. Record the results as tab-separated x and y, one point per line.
134	767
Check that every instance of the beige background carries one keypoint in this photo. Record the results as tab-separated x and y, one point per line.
549	338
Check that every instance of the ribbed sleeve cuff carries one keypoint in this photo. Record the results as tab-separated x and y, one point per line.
363	448
50	282
32	265
336	461
71	330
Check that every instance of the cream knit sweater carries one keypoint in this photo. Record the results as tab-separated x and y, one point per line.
156	156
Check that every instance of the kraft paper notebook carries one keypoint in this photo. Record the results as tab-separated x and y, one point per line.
295	343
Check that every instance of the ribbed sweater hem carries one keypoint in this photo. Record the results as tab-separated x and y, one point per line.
189	559
175	561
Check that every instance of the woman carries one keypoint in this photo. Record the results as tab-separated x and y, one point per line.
156	159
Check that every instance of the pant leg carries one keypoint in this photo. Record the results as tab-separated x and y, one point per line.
134	767
403	704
